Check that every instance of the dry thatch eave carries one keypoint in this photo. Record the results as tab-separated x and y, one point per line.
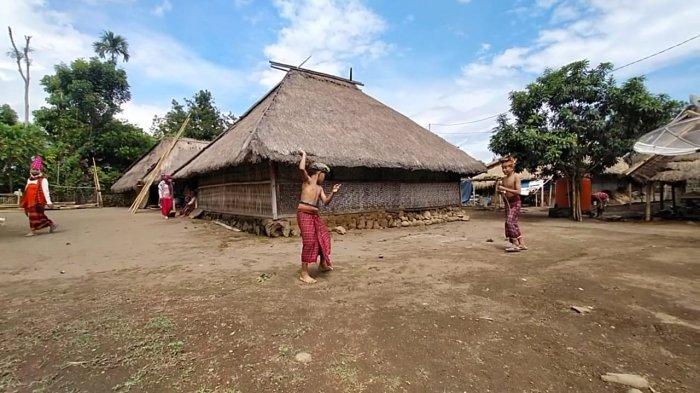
335	122
678	169
184	150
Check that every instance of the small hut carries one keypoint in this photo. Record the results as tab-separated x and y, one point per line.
130	183
485	184
385	161
680	173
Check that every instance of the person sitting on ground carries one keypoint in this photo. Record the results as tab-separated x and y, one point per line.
190	203
600	200
36	198
165	195
315	237
510	189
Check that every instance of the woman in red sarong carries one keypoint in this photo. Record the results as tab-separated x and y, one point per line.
315	237
165	195
36	197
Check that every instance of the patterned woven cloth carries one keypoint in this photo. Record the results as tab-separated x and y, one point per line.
37	217
513	218
315	238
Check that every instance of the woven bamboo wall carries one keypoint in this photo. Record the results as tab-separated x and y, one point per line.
358	197
247	199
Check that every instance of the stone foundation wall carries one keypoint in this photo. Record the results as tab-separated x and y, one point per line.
341	223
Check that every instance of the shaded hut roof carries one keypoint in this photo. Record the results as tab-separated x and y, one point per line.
493	173
334	122
184	150
679	168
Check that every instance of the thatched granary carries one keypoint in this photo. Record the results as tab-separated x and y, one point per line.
384	160
135	175
494	173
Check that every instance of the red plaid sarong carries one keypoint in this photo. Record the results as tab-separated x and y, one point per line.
37	217
166	205
315	238
513	218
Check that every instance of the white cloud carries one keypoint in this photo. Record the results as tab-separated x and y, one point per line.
160	58
141	114
619	32
464	1
54	40
162	8
333	32
156	59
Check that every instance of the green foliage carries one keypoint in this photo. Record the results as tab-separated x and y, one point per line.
83	99
576	120
17	145
112	46
8	115
206	120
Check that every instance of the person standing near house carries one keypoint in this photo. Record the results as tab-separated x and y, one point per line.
510	189
315	237
165	195
36	198
600	200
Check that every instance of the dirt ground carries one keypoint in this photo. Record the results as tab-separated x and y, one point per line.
115	302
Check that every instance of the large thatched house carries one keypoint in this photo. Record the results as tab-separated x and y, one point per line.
134	176
384	160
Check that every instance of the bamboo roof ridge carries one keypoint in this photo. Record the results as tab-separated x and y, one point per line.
184	150
334	122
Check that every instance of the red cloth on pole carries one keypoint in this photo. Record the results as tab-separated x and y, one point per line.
315	238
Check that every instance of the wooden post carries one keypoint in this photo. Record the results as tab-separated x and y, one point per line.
629	194
96	179
673	195
661	200
273	190
649	191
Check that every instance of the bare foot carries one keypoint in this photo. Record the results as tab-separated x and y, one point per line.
306	279
53	228
522	247
324	268
30	234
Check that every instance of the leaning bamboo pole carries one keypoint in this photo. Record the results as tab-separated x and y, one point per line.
96	179
154	173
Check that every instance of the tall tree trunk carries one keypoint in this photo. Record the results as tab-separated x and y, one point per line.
576	199
19	56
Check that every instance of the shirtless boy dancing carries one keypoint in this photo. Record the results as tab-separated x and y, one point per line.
510	189
315	238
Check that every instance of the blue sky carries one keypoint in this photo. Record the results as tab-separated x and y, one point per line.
438	62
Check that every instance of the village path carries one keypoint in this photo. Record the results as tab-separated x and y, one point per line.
131	302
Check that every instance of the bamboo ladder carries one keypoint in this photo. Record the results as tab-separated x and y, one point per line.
154	173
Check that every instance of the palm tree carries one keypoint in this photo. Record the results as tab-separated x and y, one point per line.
111	45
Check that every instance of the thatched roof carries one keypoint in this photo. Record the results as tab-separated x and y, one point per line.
334	122
183	151
679	168
493	173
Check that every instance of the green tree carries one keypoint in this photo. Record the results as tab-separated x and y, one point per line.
8	115
18	143
83	99
206	120
576	121
113	46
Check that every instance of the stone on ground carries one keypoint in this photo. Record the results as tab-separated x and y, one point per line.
626	379
303	357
